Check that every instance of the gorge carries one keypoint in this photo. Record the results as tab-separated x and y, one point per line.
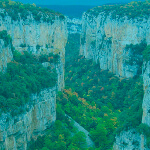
101	73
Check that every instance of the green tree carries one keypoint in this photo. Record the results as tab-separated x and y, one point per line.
79	139
146	53
99	135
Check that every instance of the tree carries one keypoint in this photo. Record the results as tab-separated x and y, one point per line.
146	53
79	139
99	135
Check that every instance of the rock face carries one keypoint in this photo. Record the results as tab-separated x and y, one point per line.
104	40
128	140
146	99
16	132
38	37
5	56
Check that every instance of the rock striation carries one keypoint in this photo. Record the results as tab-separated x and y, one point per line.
38	37
40	114
104	39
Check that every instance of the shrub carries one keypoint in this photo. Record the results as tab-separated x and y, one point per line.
146	53
22	45
7	39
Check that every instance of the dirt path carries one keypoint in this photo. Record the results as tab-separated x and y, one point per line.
89	142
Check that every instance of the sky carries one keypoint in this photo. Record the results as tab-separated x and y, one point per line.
75	2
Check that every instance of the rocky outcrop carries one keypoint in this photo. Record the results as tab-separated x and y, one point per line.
128	140
40	114
104	39
5	56
36	36
74	25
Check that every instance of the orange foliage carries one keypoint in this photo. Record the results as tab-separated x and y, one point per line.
76	94
105	114
102	89
104	97
82	84
50	58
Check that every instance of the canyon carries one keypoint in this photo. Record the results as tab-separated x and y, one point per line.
103	38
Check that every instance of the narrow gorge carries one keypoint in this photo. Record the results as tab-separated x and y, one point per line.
63	87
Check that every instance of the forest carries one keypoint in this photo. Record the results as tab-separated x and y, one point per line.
98	100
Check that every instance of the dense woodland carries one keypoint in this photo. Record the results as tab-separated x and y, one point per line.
101	102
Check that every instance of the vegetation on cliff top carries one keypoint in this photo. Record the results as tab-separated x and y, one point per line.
131	10
18	10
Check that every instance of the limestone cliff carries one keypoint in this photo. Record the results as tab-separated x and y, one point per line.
38	37
16	132
128	140
5	56
106	33
104	39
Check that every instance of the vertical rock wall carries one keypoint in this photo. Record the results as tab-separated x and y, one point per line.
104	40
16	132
